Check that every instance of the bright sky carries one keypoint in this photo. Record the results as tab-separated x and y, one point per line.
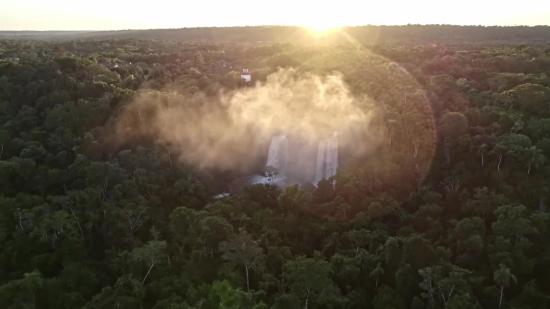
124	14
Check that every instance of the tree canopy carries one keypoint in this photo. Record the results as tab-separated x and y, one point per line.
443	205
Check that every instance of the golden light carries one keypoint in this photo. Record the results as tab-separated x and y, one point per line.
322	18
322	28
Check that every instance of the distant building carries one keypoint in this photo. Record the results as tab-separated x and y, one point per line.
245	75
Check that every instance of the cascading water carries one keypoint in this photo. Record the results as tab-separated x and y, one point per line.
278	153
327	158
297	164
320	169
331	157
277	158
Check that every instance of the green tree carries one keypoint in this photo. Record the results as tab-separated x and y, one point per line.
151	254
377	272
386	297
4	138
242	250
232	80
531	97
481	150
535	158
127	293
294	198
442	281
199	59
499	150
308	278
22	292
359	238
226	296
503	277
484	202
453	124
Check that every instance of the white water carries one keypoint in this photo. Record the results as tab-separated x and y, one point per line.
327	158
278	157
257	179
278	153
320	169
221	195
331	157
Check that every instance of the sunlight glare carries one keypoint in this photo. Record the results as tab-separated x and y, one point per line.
323	19
320	28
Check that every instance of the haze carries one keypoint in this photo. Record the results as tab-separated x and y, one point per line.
116	15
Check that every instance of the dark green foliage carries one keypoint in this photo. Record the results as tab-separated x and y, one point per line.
92	219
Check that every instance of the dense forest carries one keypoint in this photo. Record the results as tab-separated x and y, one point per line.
445	208
367	35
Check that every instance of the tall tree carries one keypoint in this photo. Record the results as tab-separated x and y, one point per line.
503	277
453	124
308	277
22	292
244	251
535	157
481	150
377	272
151	254
499	150
4	138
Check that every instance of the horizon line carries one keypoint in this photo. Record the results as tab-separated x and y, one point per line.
284	26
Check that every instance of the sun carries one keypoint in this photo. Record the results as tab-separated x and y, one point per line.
322	26
319	28
322	19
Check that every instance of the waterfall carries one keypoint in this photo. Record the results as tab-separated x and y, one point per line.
278	153
327	158
320	169
331	158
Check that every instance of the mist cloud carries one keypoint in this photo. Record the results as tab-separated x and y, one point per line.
233	129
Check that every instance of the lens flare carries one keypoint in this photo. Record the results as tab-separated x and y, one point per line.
322	28
388	134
